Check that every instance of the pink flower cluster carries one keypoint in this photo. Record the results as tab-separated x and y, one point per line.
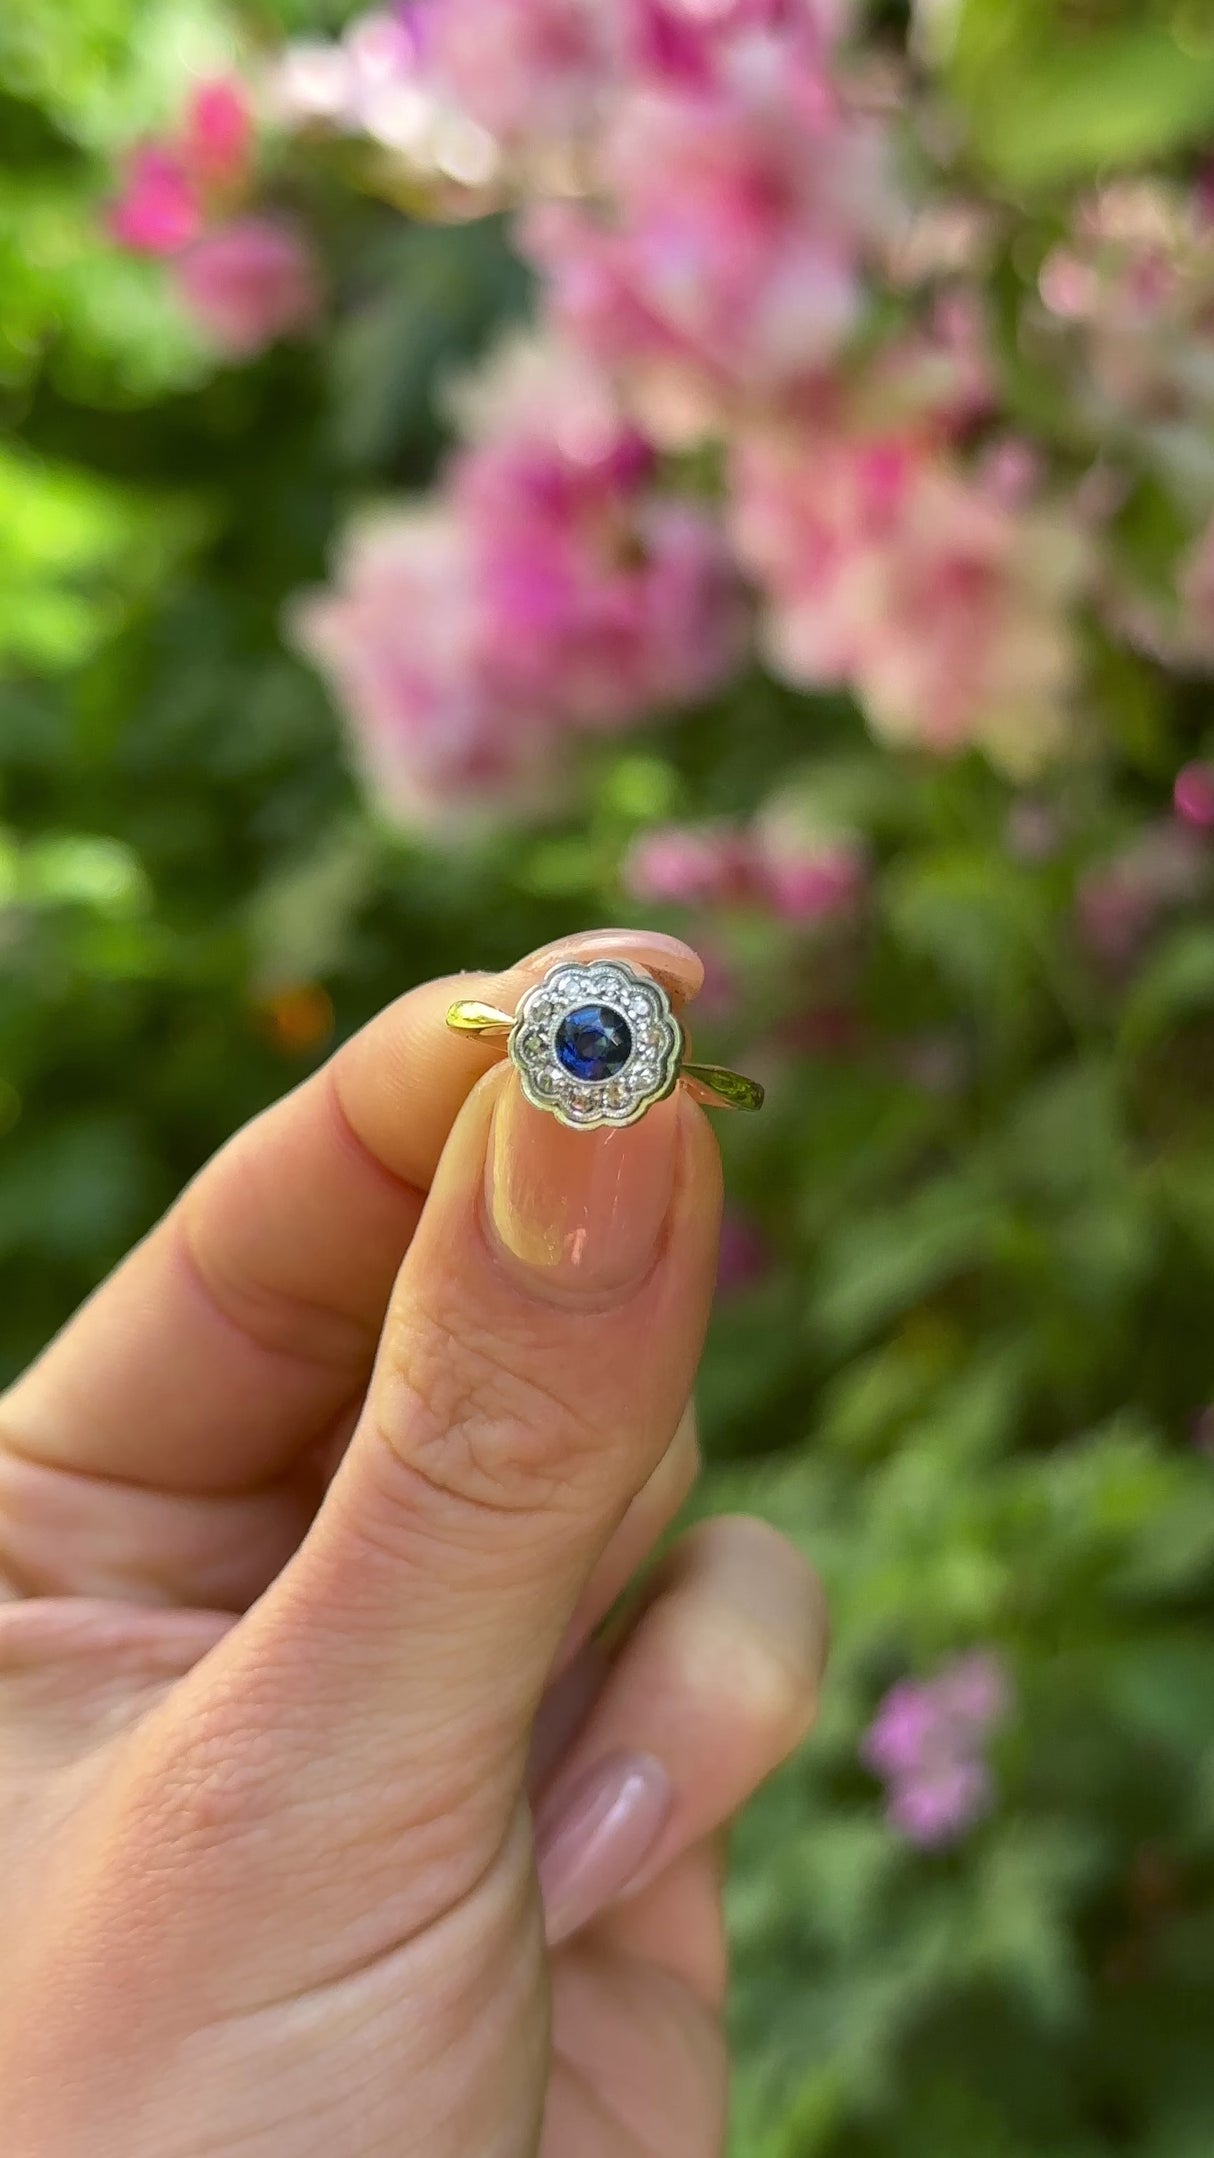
739	198
554	588
707	192
244	280
531	73
801	876
708	195
712	196
896	570
171	185
928	1744
1133	284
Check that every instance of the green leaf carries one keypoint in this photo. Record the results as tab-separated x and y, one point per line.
1176	983
876	1268
1051	103
978	917
71	548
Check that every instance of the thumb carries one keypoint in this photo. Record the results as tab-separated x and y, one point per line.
538	1352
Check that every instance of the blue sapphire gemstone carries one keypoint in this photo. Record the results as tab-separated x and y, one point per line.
594	1042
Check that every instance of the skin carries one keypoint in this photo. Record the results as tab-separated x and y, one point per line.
307	1523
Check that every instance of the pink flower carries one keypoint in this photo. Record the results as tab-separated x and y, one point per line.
687	42
312	82
687	865
926	1743
158	211
801	876
907	1728
808	877
384	79
556	590
162	207
603	598
889	569
1193	796
355	82
218	134
247	283
528	70
937	1808
1012	471
398	638
729	255
1131	286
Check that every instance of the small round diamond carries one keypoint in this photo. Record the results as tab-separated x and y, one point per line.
593	1042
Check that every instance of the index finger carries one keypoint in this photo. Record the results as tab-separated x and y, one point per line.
229	1342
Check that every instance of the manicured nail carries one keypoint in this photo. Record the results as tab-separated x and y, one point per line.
673	963
580	1211
592	1840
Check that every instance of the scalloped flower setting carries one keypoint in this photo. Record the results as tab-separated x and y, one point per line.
596	1044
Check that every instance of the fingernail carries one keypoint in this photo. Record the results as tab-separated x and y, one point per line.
580	1211
592	1840
679	969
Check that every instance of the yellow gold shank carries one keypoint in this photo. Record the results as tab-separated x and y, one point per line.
718	1088
485	1021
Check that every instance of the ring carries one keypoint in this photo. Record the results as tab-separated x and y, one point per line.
598	1045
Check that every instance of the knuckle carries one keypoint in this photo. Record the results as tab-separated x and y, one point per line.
466	1412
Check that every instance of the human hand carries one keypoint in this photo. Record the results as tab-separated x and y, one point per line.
304	1549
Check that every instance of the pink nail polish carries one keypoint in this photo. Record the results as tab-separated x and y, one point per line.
592	1838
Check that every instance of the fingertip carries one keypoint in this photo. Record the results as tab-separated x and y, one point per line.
668	959
774	1591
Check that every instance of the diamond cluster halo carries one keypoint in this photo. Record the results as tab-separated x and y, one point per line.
596	1044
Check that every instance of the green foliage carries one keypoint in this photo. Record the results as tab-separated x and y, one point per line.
967	1386
1056	91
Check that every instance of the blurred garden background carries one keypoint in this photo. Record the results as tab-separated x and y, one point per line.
501	466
